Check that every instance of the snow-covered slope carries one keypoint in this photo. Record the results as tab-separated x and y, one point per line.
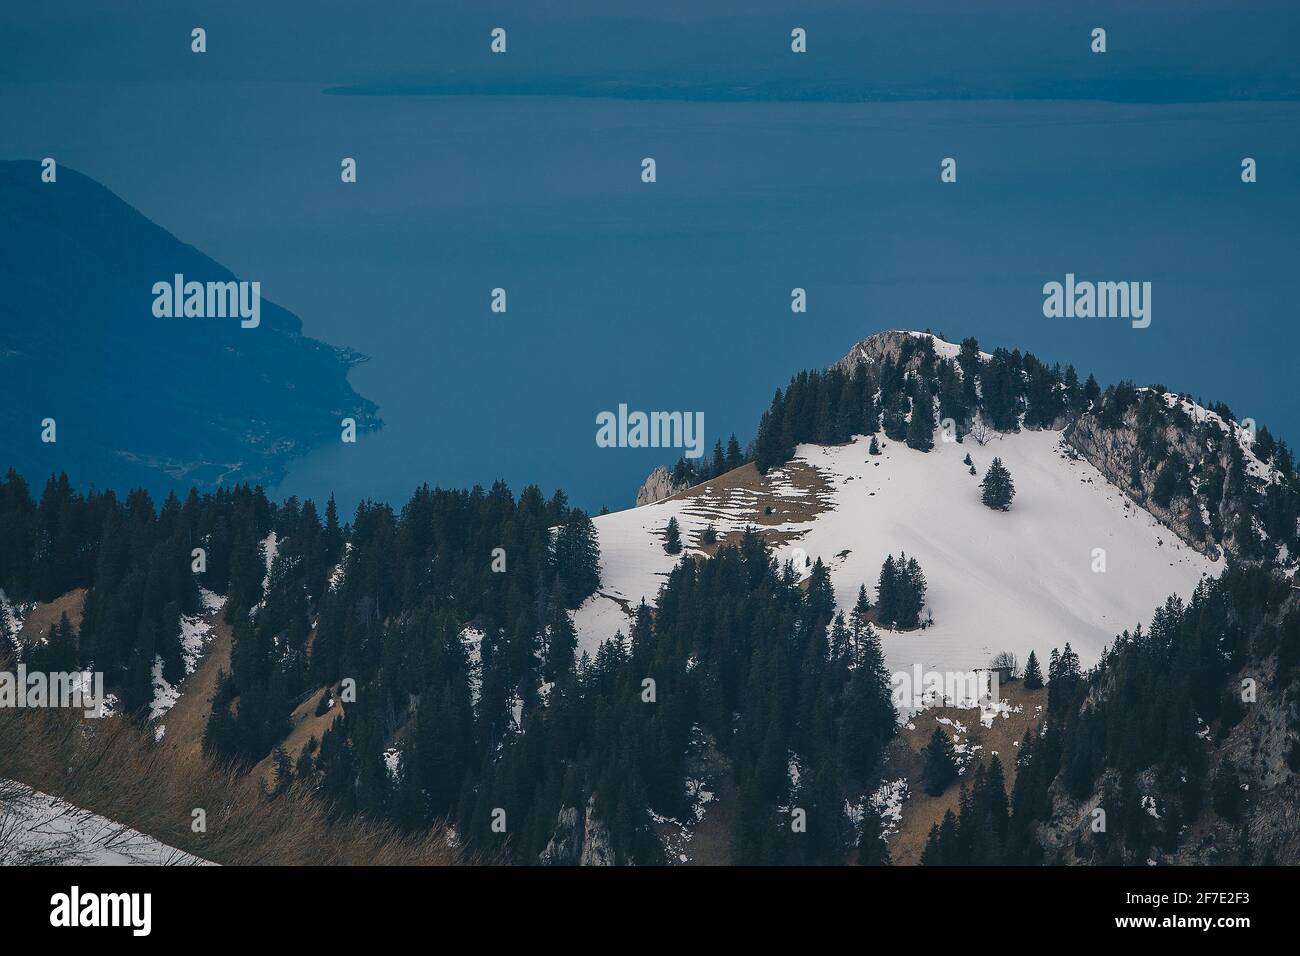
36	828
1016	580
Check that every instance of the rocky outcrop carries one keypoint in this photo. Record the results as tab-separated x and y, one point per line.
1113	451
565	848
875	349
1131	450
597	844
658	486
582	842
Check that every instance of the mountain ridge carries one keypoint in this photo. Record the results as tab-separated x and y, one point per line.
140	400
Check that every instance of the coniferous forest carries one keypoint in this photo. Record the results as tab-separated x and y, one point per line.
511	721
443	631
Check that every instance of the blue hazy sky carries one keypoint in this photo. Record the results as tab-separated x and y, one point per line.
675	296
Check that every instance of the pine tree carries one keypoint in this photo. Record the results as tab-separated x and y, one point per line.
860	622
920	428
911	592
672	537
561	643
900	592
1063	678
940	763
998	489
709	536
887	592
932	853
894	419
282	770
993	802
840	643
332	535
872	848
1091	391
942	847
734	456
1033	675
576	557
869	722
874	448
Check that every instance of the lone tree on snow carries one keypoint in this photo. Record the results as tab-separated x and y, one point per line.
998	487
900	592
672	537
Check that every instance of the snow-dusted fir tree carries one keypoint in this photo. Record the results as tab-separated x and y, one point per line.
672	537
998	489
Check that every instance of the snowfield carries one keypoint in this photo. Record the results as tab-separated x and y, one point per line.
1018	581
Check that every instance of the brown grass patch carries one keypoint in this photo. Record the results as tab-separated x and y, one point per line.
111	767
188	718
754	497
45	616
305	725
920	810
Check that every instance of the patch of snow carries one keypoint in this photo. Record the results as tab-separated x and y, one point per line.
270	548
393	763
196	631
472	638
888	801
336	576
42	829
1149	804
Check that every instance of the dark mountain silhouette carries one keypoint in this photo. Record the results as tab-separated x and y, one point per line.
140	400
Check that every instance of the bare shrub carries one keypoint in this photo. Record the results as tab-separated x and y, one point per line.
1006	659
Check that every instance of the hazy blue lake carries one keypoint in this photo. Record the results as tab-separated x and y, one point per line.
675	296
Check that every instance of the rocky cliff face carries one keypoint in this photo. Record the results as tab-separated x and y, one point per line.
581	842
565	848
597	844
1188	467
875	349
658	486
1186	828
